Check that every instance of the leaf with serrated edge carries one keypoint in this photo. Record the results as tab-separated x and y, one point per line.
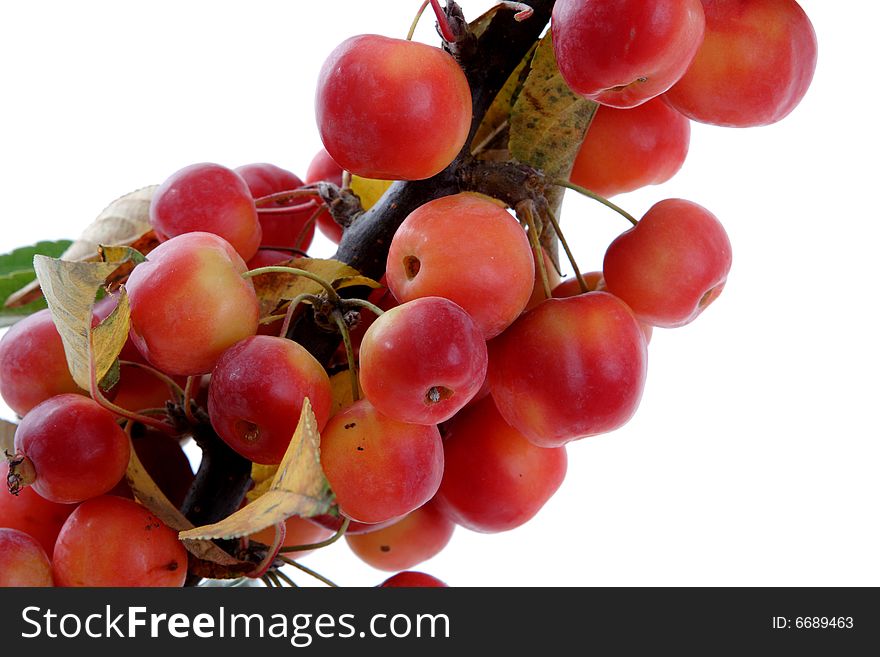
299	488
7	437
548	120
369	190
151	496
274	288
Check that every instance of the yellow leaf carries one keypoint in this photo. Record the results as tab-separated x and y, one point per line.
7	438
369	190
352	281
498	114
299	488
548	120
262	476
273	288
70	289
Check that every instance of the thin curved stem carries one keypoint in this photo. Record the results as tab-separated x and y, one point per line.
412	27
363	303
310	222
577	272
442	22
264	202
316	546
173	386
308	571
264	566
283	576
288	316
601	199
349	354
526	211
269	319
193	383
331	293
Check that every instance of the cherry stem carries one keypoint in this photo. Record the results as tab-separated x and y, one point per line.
272	554
269	319
280	575
308	571
442	22
331	293
193	384
593	195
270	579
349	354
554	221
288	316
173	386
98	396
280	198
525	209
306	226
292	250
363	303
412	27
316	546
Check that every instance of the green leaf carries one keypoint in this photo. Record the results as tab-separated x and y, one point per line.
16	271
298	488
548	120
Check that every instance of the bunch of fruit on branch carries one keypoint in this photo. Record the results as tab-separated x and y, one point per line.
434	372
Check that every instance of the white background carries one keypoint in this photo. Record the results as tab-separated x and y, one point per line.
753	459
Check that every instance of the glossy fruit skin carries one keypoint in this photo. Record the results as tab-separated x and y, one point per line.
622	53
189	303
76	447
24	561
754	67
412	579
670	266
392	109
422	348
207	197
30	513
595	281
628	149
324	168
280	228
110	541
379	468
469	250
33	366
569	368
494	479
411	540
257	392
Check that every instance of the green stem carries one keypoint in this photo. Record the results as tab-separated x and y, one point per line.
412	27
363	303
193	383
349	354
288	316
281	575
308	571
331	293
577	272
316	546
604	201
526	211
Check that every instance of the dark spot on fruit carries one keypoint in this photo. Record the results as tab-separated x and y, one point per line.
385	548
173	566
360	449
411	266
350	425
248	431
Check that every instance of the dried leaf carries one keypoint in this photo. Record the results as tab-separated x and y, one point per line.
151	496
7	437
299	488
548	120
274	288
70	289
497	117
124	221
262	476
353	281
369	190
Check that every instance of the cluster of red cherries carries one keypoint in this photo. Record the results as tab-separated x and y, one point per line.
472	380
